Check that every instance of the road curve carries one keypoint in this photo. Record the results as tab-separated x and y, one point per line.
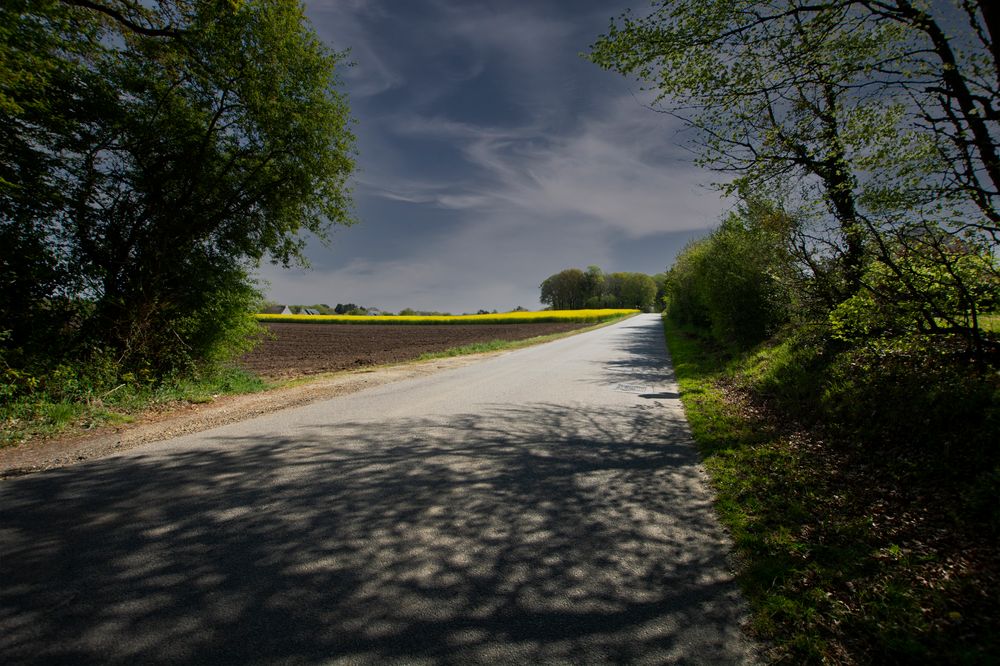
543	506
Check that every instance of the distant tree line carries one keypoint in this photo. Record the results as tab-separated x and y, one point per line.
575	289
338	309
361	310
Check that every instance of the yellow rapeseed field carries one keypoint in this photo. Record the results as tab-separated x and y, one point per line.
545	316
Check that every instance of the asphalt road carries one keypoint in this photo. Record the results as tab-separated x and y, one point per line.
543	506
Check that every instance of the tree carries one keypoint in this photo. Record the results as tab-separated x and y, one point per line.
952	78
42	65
660	279
593	286
878	125
765	82
631	290
160	153
565	290
739	281
685	298
573	289
347	308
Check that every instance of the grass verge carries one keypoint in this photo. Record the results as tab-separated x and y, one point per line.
846	556
45	413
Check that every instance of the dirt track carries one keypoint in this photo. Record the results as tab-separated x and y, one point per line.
306	349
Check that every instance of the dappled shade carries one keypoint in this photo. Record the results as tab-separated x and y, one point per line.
531	533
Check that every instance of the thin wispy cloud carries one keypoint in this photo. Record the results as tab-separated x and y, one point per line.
492	155
621	165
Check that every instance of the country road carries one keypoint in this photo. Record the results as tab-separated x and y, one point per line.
542	506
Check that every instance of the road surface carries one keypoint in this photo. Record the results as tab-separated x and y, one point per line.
543	506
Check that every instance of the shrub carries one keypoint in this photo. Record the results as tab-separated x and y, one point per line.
737	281
927	284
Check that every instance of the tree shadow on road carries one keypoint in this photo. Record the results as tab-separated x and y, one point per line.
645	362
528	534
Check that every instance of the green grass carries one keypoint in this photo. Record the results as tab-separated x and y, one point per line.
474	348
834	564
76	405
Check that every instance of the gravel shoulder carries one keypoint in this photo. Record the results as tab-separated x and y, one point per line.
160	425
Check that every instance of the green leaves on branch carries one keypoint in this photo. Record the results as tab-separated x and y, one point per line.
739	282
928	285
875	127
151	155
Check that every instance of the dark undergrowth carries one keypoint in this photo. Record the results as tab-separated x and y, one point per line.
861	488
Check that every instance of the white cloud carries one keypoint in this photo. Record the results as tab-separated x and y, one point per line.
497	263
339	24
622	166
568	166
523	37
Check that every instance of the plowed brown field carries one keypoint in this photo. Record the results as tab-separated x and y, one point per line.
305	349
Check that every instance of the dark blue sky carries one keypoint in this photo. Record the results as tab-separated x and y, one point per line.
491	156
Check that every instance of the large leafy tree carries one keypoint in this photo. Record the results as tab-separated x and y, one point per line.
767	83
566	290
630	290
152	155
878	124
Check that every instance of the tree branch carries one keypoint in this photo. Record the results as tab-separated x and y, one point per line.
123	20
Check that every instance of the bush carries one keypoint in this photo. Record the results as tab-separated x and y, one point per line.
925	284
685	299
737	281
222	326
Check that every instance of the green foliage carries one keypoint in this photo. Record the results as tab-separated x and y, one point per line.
855	446
566	290
790	369
843	531
737	282
684	298
594	287
573	289
41	402
217	326
917	394
410	312
930	284
814	102
660	300
630	290
142	176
